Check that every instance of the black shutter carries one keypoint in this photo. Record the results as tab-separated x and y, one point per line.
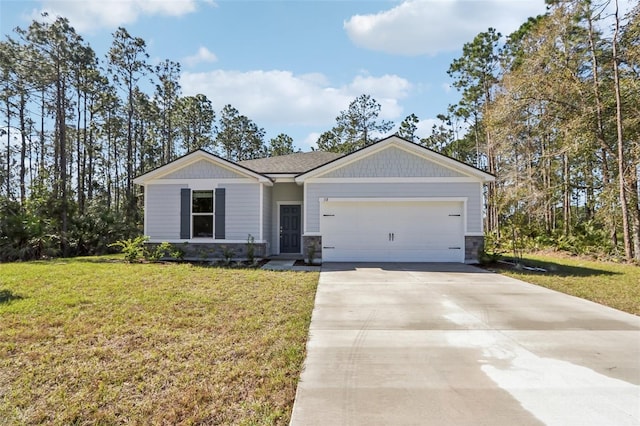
185	213
220	209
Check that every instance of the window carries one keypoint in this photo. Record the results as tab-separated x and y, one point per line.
202	214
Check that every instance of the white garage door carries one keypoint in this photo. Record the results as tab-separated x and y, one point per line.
392	231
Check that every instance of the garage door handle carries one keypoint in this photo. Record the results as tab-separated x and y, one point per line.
455	248
325	247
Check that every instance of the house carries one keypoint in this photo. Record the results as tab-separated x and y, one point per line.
390	201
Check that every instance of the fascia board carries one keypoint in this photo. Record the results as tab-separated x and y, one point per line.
194	157
402	144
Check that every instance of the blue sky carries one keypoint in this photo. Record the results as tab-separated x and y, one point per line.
292	66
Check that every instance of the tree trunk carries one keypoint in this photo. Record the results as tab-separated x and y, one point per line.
117	184
23	149
621	163
91	153
546	185
8	177
43	147
600	132
83	164
129	200
61	155
79	150
109	162
635	217
566	197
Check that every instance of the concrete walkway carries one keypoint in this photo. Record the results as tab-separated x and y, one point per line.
279	265
450	344
288	265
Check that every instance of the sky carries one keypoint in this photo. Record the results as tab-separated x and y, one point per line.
292	66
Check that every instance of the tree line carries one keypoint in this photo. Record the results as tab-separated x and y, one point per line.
551	110
79	128
554	113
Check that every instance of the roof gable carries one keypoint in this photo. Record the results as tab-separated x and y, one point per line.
392	162
201	165
395	157
203	169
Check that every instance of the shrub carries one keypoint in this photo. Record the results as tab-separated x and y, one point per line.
227	253
177	253
311	253
251	247
164	249
133	248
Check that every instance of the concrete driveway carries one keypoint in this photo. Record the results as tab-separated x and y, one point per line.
451	344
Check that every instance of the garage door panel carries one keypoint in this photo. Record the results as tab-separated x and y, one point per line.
392	231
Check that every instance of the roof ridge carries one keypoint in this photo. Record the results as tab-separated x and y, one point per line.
296	162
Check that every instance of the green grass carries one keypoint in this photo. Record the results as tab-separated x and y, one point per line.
93	341
612	284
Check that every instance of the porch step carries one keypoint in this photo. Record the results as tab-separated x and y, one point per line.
279	264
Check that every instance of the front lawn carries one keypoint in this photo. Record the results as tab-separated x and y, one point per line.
95	341
613	284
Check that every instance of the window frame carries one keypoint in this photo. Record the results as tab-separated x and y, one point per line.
211	214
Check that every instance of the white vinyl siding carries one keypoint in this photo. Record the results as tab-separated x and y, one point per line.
242	211
392	162
471	191
163	211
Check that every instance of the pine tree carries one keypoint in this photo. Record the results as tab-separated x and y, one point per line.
356	127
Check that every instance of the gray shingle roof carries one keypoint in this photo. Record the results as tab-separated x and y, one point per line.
300	162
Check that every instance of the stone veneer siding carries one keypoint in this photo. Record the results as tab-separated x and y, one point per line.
315	241
473	246
215	251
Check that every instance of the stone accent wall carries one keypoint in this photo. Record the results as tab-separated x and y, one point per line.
316	242
216	251
473	245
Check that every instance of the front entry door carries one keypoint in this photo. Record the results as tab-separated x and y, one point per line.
290	229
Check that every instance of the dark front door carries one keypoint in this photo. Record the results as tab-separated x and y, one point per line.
290	229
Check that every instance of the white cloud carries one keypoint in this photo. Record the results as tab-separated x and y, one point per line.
419	27
280	98
89	15
310	141
203	55
425	127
